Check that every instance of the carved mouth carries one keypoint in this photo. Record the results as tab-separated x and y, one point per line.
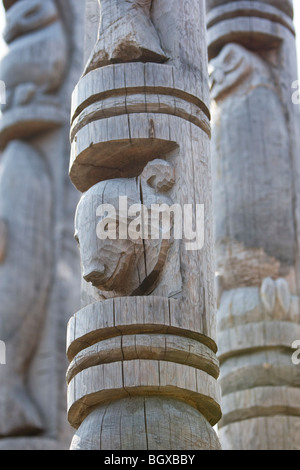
98	277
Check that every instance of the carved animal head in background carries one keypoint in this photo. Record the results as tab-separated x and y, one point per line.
113	259
35	66
27	16
234	67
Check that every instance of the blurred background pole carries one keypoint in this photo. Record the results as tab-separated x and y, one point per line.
39	265
255	155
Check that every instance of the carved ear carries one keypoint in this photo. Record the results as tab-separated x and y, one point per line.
268	294
159	174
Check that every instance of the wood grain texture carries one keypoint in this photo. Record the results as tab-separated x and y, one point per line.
149	423
108	382
26	207
169	347
129	315
106	143
261	433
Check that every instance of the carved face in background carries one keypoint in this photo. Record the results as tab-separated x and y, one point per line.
124	266
248	138
37	54
228	69
33	69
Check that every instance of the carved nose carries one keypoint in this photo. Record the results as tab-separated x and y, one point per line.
95	275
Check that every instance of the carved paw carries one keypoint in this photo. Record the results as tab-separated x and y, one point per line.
283	294
24	94
159	174
275	290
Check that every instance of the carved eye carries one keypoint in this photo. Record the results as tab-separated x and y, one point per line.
33	11
229	57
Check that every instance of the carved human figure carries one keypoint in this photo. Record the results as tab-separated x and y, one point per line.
127	257
126	34
25	275
36	59
254	238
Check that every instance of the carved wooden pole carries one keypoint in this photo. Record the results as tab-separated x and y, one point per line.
142	349
256	202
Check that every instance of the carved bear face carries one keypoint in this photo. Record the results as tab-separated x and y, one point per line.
237	69
117	250
228	69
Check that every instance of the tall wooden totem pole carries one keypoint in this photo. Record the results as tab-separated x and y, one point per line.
142	349
256	178
39	278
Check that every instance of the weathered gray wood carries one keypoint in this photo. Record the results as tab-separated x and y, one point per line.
25	205
136	424
144	339
255	153
158	346
32	69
